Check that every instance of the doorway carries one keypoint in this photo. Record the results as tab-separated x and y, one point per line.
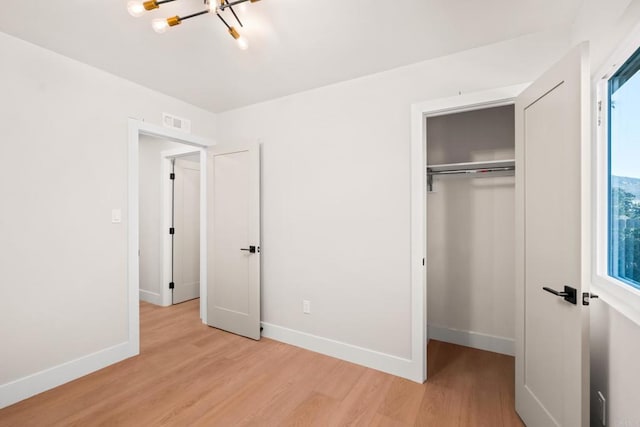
471	228
137	130
169	200
419	198
180	177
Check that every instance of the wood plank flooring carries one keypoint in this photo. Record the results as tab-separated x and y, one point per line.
190	374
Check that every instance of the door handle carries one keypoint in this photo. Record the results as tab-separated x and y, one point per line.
569	294
250	249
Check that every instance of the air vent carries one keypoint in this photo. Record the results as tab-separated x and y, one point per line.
177	123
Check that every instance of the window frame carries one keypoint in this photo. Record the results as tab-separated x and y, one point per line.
620	295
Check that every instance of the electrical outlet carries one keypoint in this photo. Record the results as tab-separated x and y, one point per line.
602	408
306	306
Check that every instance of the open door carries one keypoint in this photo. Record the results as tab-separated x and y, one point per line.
233	239
552	245
186	239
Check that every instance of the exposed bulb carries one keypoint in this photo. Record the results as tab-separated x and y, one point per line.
242	43
135	8
159	25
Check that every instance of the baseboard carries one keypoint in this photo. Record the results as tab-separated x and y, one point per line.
150	297
472	339
361	356
23	388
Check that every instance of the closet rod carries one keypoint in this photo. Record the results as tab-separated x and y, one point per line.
476	170
431	173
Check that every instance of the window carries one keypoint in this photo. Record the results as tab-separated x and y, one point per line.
624	172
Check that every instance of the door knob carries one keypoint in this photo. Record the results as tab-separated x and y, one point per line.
569	294
250	249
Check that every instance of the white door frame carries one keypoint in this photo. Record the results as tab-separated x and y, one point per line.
419	113
137	128
165	158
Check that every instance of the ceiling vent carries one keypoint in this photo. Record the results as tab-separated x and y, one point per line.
177	123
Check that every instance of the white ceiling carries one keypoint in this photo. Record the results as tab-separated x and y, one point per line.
295	45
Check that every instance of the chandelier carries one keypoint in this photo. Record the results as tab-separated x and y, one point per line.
137	8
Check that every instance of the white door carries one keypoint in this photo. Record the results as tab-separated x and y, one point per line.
552	245
233	239
186	240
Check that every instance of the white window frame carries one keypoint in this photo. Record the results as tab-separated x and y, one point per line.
618	294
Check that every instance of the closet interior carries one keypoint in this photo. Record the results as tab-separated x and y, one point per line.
471	228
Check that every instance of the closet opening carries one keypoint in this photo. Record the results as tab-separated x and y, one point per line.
470	244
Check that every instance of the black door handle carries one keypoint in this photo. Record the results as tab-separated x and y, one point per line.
569	294
250	249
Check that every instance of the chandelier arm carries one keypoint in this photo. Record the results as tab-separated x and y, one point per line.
193	15
231	4
234	14
223	21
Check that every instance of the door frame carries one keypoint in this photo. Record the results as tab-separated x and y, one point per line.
165	170
419	113
135	129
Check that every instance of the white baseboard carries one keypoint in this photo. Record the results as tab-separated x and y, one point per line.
150	297
22	388
472	339
362	356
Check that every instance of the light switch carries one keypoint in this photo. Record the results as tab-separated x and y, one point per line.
116	216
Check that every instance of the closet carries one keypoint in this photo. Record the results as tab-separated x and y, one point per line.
471	228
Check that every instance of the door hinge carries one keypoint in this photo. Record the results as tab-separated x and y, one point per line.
172	175
172	230
171	285
599	113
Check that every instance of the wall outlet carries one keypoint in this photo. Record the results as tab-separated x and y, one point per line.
602	408
306	306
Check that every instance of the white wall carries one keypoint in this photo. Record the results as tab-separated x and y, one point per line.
151	215
604	24
336	189
615	346
471	232
64	265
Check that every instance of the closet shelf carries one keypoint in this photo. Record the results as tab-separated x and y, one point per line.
476	168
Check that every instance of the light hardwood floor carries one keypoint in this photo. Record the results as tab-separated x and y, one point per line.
190	374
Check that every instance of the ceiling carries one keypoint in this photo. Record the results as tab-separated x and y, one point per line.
295	45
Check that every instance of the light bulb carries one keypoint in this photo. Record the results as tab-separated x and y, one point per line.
242	43
135	8
159	25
